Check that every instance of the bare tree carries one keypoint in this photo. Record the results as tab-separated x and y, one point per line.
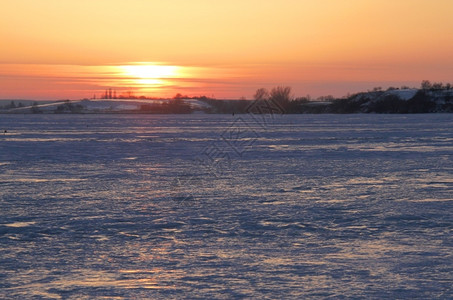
261	94
281	94
426	85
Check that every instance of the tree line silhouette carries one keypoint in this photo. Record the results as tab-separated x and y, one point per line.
430	97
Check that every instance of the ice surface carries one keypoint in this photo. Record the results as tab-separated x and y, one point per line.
221	206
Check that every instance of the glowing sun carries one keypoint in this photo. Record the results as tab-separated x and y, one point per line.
148	72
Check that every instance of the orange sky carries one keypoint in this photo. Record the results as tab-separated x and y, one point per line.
58	49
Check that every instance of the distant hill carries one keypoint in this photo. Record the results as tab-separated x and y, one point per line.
428	99
403	101
104	106
395	101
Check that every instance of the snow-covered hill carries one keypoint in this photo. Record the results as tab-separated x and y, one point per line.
406	101
390	101
105	106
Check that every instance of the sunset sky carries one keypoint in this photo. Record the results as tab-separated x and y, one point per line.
59	49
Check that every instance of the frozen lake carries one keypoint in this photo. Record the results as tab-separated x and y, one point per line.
221	206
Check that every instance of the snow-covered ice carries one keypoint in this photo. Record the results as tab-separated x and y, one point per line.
221	206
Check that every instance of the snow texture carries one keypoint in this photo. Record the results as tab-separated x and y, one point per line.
221	206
